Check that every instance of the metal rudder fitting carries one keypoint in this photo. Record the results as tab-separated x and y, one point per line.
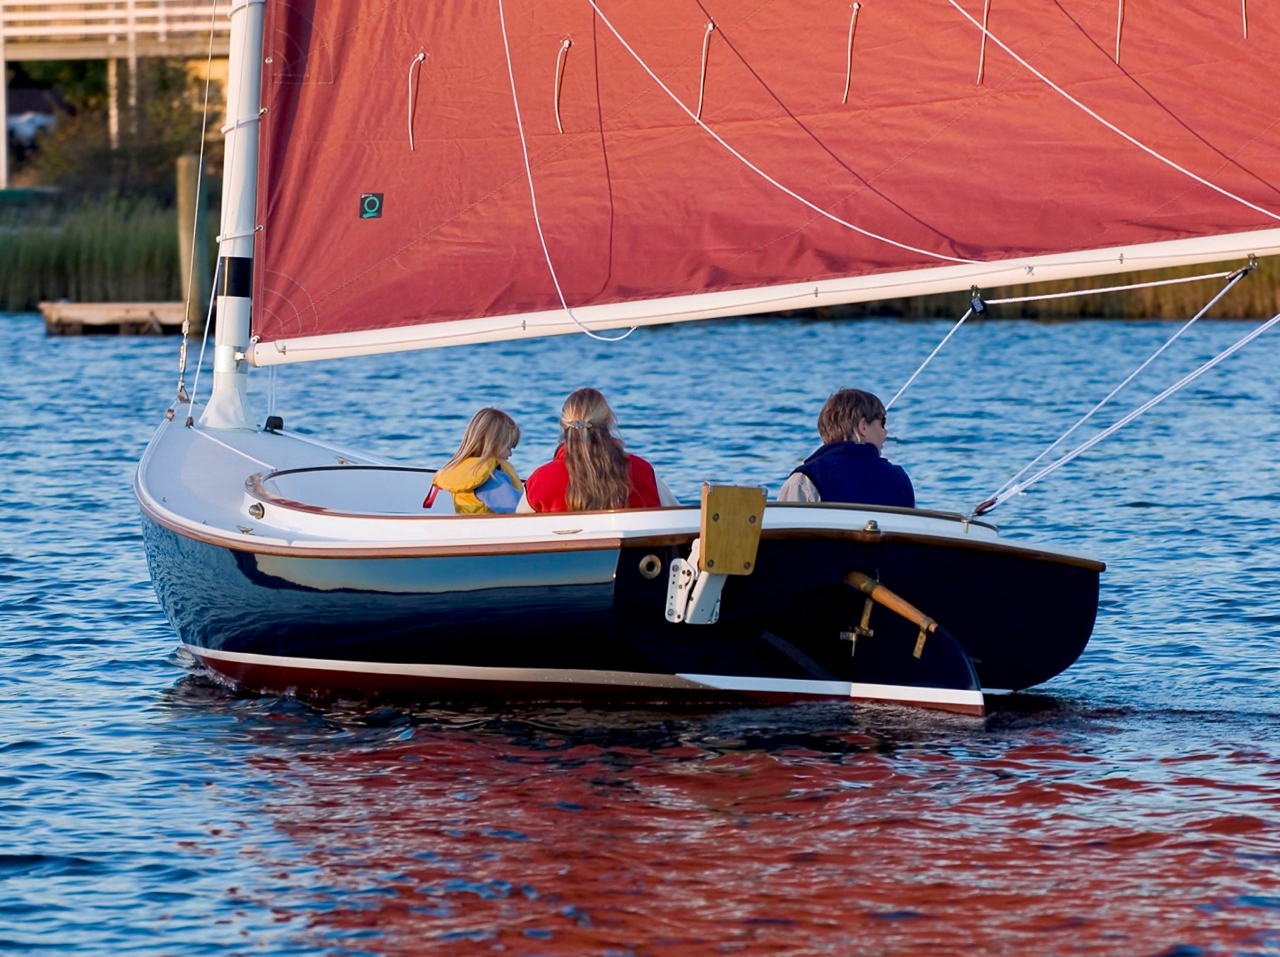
727	542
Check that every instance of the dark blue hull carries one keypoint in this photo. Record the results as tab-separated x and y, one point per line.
586	623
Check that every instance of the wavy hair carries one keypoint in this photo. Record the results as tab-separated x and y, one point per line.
844	410
599	476
489	432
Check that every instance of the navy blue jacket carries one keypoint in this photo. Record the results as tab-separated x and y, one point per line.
854	472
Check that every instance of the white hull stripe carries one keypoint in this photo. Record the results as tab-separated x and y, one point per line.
795	686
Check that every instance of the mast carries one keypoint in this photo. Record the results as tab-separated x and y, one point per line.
228	406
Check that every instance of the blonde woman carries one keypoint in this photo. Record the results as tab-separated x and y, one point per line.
479	477
590	470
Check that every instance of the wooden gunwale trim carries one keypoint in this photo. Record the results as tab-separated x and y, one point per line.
861	535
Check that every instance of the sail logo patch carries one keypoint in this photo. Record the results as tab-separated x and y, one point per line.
370	205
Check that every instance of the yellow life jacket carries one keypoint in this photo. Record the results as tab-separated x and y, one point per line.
463	479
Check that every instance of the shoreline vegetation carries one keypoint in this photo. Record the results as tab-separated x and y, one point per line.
127	251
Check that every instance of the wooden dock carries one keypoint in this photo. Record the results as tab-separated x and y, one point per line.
115	318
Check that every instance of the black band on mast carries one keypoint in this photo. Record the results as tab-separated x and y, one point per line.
236	273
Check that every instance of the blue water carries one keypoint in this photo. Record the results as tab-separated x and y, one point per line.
146	810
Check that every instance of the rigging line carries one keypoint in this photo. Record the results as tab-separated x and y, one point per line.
1177	386
848	72
1103	289
1235	278
564	49
204	342
533	196
228	163
195	215
761	173
702	82
936	350
1105	122
982	50
413	63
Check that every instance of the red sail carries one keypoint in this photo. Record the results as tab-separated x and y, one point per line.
363	229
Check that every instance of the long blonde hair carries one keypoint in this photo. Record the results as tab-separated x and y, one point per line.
489	432
599	476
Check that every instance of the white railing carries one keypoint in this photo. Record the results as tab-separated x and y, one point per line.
113	21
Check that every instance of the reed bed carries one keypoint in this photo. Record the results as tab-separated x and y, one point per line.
1257	296
127	251
120	251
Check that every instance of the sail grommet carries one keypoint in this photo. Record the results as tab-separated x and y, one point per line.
650	567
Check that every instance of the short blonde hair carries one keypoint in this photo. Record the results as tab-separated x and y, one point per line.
841	413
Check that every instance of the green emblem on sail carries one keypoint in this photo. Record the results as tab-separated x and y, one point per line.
370	205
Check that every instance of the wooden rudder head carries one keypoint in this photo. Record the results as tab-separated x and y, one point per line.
731	520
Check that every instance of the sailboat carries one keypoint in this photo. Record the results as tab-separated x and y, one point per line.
409	176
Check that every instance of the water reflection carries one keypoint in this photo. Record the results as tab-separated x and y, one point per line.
801	830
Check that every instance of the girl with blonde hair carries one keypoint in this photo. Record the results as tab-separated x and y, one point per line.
479	477
591	471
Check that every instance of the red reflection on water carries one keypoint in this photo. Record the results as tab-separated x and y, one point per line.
454	842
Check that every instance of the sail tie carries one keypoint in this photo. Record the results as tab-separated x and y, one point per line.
560	57
1013	487
1105	122
1119	27
982	49
848	72
421	55
702	82
757	170
533	195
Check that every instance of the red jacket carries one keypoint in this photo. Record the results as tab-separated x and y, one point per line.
546	487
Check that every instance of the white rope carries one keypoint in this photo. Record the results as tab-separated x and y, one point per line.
1104	289
848	72
1236	277
1244	16
761	173
195	215
413	63
1119	27
936	350
1081	449
564	49
533	196
706	48
1108	124
982	50
1058	295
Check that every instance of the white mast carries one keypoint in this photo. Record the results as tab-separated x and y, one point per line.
228	406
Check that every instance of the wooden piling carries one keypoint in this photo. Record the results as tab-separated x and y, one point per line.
192	209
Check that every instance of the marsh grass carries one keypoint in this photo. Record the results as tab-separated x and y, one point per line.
127	251
117	251
1257	296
